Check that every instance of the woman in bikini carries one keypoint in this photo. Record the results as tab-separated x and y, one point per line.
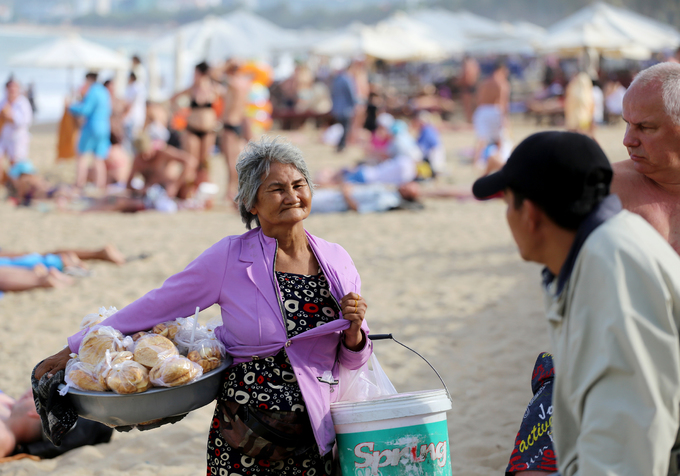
202	124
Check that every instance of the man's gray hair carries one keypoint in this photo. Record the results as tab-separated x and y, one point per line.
668	76
253	167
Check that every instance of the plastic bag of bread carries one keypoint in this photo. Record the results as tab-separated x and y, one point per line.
91	320
112	358
167	329
213	324
83	376
151	349
174	371
128	377
95	344
184	335
208	353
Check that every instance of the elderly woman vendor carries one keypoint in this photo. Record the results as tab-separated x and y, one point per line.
291	311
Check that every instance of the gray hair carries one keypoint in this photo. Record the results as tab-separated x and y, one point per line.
253	167
667	75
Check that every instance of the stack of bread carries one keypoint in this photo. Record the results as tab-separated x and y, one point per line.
160	357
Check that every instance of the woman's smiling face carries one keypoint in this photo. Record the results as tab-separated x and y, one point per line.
284	198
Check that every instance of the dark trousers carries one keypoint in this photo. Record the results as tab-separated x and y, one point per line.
346	127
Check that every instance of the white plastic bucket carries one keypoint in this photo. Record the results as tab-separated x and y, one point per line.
404	434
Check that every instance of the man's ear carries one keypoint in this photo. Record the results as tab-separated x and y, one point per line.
532	215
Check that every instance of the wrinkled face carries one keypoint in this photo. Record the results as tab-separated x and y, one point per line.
284	198
652	138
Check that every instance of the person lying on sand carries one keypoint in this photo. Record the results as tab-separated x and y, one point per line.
25	271
21	431
375	198
25	185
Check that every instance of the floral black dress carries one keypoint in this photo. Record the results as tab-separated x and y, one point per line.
270	384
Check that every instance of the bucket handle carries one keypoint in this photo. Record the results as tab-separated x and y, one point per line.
390	336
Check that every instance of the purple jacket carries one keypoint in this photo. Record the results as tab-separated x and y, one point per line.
238	273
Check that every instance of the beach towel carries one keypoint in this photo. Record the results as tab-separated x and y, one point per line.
68	132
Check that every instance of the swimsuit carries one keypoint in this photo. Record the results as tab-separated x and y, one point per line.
199	133
488	122
31	260
236	129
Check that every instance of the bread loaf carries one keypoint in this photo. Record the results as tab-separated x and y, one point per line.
152	349
128	377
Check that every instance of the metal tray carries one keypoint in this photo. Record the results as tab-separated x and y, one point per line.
125	410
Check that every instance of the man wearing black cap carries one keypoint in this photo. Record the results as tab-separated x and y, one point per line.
612	287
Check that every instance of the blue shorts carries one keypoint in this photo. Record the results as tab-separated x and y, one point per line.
98	145
31	260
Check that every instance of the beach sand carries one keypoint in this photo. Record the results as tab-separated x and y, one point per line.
446	281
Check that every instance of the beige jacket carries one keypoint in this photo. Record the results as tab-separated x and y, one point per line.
614	331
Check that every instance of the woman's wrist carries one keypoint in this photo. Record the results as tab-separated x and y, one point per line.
354	340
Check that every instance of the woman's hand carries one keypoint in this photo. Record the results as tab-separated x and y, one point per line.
353	309
54	364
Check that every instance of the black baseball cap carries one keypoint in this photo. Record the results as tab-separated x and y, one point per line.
565	173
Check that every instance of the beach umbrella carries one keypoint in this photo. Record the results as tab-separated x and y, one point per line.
519	38
385	41
239	34
71	52
452	42
458	26
611	31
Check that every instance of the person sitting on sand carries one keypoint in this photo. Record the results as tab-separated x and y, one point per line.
21	431
612	286
25	185
430	142
154	161
396	166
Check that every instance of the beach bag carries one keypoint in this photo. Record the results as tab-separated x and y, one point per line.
269	435
365	383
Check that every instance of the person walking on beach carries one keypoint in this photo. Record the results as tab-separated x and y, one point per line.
235	130
345	100
467	82
135	110
489	118
292	312
612	286
16	117
95	135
